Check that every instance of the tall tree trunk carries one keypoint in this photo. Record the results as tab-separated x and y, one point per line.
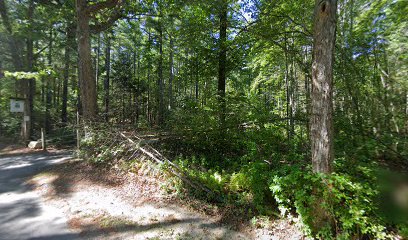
67	54
29	68
107	77
98	53
160	115
48	105
149	107
137	97
58	95
307	93
288	93
321	122
86	75
171	78
292	88
222	58
54	80
49	93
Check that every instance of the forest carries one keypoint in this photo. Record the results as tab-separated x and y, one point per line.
283	109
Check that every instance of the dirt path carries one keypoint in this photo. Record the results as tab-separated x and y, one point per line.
85	202
102	206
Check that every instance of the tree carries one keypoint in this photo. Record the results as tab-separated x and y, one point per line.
160	84
106	81
69	35
87	79
222	57
321	118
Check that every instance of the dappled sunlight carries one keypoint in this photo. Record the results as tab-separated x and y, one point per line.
100	203
22	211
18	165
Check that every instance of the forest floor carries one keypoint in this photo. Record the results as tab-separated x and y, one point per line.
113	204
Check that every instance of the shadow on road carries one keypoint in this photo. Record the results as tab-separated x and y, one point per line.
67	174
15	169
22	213
95	231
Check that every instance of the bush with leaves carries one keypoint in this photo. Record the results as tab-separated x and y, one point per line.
352	203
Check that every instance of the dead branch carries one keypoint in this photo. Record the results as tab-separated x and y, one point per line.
174	169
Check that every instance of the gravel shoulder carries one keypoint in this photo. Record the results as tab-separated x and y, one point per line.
81	201
102	204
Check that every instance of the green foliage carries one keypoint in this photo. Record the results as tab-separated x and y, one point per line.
352	202
10	123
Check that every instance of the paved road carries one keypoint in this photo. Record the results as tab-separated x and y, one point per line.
23	215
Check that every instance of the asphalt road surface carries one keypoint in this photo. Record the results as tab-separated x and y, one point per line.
23	214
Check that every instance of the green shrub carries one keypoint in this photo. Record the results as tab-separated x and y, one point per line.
352	204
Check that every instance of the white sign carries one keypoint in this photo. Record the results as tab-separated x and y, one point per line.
16	105
26	118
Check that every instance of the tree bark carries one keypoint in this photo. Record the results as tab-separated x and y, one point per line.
87	79
321	122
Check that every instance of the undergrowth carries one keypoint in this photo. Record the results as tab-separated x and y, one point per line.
244	172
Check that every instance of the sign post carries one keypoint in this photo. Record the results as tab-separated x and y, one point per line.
18	105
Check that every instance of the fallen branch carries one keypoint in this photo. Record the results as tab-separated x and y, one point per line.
174	169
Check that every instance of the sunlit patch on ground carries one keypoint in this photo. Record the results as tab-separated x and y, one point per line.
102	205
44	182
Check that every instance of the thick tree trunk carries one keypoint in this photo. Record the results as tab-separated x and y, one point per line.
87	79
321	122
